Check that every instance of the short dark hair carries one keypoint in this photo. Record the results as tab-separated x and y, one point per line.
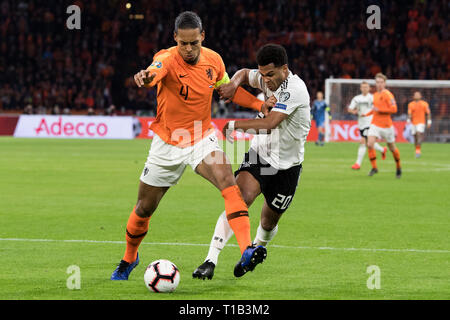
188	20
271	53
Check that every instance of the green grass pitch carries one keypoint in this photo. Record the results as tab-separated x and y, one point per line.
340	223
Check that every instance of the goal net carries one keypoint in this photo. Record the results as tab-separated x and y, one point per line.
339	93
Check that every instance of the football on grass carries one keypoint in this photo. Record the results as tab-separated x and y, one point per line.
162	276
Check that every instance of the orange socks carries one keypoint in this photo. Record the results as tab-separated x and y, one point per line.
373	157
137	228
396	155
237	215
418	149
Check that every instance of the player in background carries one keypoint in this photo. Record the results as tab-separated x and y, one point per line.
418	110
318	112
186	76
273	164
362	104
381	126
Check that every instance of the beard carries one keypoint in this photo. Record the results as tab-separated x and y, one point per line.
191	60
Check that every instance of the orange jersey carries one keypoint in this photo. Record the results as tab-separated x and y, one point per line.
184	95
384	101
418	110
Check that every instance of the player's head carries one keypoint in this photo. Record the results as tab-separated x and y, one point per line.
319	95
417	96
189	35
272	64
380	81
364	87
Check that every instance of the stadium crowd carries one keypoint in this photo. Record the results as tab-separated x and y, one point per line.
47	68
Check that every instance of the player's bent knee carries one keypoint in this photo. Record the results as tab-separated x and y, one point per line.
145	209
248	197
226	180
392	147
268	225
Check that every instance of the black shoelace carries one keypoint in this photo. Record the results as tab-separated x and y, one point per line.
123	265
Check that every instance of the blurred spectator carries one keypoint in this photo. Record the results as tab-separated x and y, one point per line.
111	111
28	109
44	64
56	110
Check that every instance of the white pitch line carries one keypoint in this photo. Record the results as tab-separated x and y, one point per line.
232	245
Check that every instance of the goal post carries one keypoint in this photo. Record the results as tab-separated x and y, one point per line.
339	93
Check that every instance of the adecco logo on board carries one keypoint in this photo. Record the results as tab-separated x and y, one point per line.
84	127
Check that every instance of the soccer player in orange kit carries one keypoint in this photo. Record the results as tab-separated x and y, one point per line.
418	110
186	76
381	127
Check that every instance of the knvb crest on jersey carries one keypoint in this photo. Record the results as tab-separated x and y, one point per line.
209	73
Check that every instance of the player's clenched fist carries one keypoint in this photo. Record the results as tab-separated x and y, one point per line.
268	105
143	77
226	91
227	131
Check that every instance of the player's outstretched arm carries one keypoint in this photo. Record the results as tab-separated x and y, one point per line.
387	109
144	78
371	112
245	99
228	90
232	91
390	106
258	126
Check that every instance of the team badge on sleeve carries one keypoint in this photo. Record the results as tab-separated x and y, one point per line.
156	64
281	106
284	96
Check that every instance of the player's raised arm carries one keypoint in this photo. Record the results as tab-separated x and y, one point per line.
390	105
144	78
231	90
261	125
227	90
155	72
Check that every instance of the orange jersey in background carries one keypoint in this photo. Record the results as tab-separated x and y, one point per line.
384	101
184	94
418	110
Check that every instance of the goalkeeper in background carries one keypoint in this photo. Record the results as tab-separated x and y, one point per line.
318	110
